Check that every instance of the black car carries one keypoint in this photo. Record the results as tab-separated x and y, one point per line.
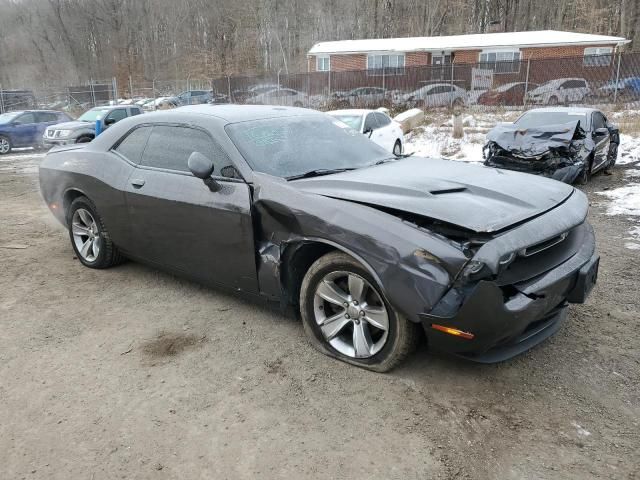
564	143
25	128
288	205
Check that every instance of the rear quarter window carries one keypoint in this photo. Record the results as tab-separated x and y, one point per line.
132	145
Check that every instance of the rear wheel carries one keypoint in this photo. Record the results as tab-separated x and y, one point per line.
297	104
345	315
89	237
5	145
397	148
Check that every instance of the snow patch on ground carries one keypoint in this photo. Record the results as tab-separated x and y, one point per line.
437	142
629	150
624	200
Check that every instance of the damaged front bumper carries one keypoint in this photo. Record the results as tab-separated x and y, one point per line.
505	320
565	170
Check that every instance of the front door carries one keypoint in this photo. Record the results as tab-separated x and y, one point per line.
178	222
439	66
602	141
25	130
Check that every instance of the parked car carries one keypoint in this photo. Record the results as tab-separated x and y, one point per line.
218	98
507	94
287	97
437	95
288	205
378	126
560	91
627	87
363	97
567	144
194	97
241	95
83	129
160	103
25	128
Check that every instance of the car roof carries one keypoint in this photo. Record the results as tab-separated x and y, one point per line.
242	113
585	110
35	111
351	111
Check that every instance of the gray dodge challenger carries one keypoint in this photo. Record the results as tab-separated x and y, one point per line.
293	206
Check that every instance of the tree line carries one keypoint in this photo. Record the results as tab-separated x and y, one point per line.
56	42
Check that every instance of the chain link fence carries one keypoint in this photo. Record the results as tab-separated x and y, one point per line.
610	81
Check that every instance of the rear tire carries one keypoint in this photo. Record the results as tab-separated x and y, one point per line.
297	104
397	148
367	333
89	237
5	145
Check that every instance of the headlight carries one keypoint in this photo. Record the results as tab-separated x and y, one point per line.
474	271
63	133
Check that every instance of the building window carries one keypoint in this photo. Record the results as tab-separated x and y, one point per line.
501	61
323	64
597	56
392	64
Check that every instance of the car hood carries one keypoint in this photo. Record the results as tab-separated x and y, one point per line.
71	125
470	196
536	141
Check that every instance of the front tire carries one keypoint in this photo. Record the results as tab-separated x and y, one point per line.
89	237
346	317
84	139
5	145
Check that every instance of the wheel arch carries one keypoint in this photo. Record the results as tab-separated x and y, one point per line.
69	196
298	256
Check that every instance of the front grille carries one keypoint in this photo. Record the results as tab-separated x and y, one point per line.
543	256
539	247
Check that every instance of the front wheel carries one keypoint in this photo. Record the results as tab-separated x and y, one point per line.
89	237
345	315
5	145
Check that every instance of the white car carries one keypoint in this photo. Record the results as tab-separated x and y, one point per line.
379	126
287	97
437	95
559	91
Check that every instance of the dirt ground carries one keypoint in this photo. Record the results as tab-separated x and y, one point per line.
133	373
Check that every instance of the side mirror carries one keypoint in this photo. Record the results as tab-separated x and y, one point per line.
109	121
601	132
202	167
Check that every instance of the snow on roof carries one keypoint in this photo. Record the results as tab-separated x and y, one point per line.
544	38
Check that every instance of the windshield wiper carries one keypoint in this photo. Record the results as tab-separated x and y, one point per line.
395	157
318	173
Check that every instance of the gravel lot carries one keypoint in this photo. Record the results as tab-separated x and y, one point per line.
133	373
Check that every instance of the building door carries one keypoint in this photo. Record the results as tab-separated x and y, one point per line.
440	66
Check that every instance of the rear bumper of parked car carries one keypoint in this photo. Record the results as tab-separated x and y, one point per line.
505	321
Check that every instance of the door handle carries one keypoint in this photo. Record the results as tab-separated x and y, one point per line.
137	183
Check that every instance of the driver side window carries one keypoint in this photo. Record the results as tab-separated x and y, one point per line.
169	147
117	115
598	121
